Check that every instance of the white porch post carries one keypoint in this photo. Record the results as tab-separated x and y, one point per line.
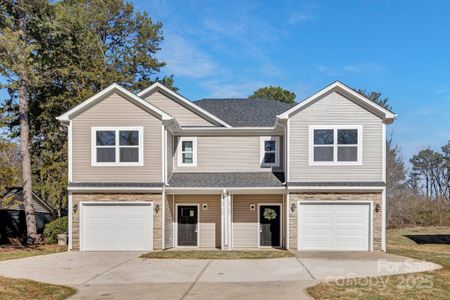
225	219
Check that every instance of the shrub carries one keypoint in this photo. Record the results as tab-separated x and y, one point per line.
54	228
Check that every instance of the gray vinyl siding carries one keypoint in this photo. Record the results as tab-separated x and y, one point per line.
228	154
210	219
116	111
184	116
334	109
245	221
169	155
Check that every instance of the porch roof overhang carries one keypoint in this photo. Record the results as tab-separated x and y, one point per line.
244	180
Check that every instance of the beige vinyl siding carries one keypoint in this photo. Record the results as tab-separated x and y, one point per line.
115	111
169	154
183	115
210	219
228	154
334	109
245	221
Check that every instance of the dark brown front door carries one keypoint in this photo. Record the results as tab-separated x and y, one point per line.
187	225
269	225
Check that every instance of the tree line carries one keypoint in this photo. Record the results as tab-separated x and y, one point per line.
54	55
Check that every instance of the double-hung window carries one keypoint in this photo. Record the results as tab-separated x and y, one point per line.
117	146
187	151
270	151
335	145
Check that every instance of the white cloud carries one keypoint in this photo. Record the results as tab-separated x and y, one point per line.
185	59
349	69
239	89
328	70
298	17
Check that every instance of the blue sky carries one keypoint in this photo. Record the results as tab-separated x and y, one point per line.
400	48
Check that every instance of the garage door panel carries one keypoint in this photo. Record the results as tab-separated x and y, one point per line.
117	227
334	227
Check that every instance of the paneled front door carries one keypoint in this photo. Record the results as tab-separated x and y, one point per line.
269	225
187	225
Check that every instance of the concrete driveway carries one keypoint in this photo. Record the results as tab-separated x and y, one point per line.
119	275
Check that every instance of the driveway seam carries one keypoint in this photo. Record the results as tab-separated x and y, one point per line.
304	266
106	271
195	281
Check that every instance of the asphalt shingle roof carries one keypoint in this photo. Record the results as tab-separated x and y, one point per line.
249	179
245	112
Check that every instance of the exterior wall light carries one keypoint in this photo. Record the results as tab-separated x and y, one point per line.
157	208
75	208
377	207
292	207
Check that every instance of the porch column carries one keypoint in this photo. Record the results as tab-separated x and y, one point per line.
226	220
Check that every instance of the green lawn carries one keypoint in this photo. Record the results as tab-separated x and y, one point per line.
427	285
18	289
217	254
9	252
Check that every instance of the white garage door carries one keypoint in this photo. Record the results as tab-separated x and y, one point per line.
116	227
334	227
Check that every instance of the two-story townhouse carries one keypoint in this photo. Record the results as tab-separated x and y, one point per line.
154	171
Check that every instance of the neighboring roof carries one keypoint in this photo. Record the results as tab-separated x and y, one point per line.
245	112
340	183
13	200
350	94
114	88
226	180
182	101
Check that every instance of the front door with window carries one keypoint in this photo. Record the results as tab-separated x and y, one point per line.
187	225
269	225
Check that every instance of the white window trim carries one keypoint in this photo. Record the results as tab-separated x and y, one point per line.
94	162
262	152
335	162
180	152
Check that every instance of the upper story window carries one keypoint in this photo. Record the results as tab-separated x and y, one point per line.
113	146
187	151
270	151
335	145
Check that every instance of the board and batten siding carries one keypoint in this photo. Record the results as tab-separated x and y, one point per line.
210	219
335	109
228	154
115	111
184	116
245	221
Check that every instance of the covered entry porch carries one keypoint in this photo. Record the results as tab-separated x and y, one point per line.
225	219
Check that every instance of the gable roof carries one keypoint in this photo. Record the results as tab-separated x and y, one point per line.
113	88
350	94
13	200
182	101
244	112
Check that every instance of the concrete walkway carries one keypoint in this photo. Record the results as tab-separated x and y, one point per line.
120	275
